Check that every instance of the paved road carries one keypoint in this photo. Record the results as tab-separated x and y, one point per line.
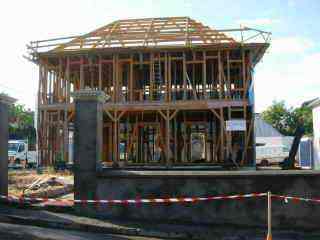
23	232
20	224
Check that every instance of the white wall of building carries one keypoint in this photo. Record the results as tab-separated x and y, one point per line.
316	138
275	149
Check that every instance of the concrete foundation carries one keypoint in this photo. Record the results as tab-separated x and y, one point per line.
112	184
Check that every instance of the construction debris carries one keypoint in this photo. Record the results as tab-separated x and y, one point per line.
30	183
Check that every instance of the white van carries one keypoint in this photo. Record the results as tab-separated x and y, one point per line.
19	154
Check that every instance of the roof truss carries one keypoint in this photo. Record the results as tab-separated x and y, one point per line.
148	32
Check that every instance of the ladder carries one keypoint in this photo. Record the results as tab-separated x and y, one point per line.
158	80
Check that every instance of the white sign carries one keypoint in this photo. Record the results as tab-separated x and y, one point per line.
236	125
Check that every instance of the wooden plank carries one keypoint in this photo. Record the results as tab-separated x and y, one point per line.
222	146
229	135
204	77
100	74
113	119
68	81
70	117
169	78
166	77
131	79
162	114
139	106
115	140
215	113
173	114
81	74
248	76
65	137
228	74
244	80
243	161
184	76
168	162
219	75
114	78
176	148
151	73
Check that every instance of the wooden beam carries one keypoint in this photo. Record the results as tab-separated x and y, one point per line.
244	155
114	77
228	75
115	140
100	74
71	115
184	69
204	77
131	79
81	74
169	78
68	81
215	113
162	114
142	106
244	80
219	75
151	73
65	136
168	138
166	77
222	150
113	119
173	114
120	115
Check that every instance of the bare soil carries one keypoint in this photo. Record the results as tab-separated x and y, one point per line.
21	180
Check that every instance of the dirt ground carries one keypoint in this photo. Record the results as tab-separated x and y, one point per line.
50	183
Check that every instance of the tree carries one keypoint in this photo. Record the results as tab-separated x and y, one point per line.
21	124
305	113
285	119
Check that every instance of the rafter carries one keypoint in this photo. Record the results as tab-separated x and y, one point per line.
147	32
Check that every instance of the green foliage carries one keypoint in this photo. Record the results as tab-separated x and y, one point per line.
21	123
286	119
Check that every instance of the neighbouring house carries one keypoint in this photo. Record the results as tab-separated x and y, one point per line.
272	146
315	105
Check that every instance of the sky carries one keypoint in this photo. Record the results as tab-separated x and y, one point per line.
288	71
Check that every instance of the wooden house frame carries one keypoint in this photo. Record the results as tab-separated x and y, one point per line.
172	82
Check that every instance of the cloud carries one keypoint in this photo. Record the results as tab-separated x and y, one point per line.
257	22
291	45
293	82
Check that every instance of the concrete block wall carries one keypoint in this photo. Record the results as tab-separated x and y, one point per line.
245	212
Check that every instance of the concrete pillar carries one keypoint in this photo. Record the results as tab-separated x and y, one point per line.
88	141
5	101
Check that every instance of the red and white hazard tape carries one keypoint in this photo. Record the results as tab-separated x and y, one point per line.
295	199
157	200
135	201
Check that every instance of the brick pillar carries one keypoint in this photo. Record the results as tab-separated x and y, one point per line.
5	101
88	141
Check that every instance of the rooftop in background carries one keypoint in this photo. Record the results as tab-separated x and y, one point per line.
150	33
313	103
264	129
